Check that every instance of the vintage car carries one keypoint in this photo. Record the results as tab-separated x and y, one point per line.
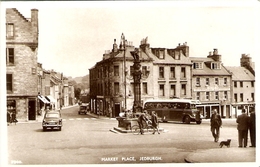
52	120
83	109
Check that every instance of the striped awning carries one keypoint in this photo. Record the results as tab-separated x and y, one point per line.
50	99
43	99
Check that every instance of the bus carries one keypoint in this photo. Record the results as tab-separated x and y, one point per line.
182	110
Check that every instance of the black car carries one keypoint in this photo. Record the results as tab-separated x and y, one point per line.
52	120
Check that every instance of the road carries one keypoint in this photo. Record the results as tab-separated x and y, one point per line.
88	140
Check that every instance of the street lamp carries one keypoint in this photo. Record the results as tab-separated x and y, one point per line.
124	69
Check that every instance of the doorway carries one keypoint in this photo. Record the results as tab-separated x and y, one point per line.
32	110
117	109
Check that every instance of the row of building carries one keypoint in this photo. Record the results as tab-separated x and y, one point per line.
29	87
171	73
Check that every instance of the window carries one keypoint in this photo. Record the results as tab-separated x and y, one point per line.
235	84
131	70
9	56
216	81
183	72
252	84
198	95
241	97
172	91
145	91
116	70
116	88
172	72
215	65
183	89
197	65
253	96
9	30
161	90
9	83
241	84
216	96
207	81
207	95
225	95
235	97
161	54
197	81
161	72
225	81
177	55
144	71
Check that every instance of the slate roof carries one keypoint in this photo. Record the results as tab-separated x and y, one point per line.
206	71
241	74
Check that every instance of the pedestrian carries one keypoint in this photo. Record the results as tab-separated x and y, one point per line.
252	129
242	127
141	120
215	124
154	120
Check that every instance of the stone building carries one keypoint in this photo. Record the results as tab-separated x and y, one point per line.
21	63
165	74
211	85
243	85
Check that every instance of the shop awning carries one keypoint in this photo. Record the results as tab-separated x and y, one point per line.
42	98
50	99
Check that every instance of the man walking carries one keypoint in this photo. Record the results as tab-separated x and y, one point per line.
141	119
215	124
155	122
242	127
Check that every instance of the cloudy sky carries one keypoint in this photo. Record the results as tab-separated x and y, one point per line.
73	36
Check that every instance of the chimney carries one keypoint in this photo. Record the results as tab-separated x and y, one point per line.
215	52
114	46
34	22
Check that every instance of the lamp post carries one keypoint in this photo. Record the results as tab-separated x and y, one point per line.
124	68
137	77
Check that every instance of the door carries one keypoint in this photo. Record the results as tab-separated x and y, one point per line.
32	110
117	109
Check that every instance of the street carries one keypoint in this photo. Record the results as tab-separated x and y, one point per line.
88	140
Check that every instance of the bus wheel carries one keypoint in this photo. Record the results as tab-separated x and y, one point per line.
187	120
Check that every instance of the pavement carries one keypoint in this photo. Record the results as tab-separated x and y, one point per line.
221	155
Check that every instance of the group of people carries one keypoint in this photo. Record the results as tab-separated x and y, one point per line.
244	122
143	119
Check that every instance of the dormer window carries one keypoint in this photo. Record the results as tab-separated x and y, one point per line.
177	55
197	65
160	53
215	65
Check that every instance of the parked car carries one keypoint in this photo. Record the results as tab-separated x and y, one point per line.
52	120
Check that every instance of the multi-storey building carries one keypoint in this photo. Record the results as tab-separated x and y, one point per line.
165	74
211	85
243	85
21	63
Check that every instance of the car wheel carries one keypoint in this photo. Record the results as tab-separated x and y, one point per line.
198	122
44	129
187	120
60	129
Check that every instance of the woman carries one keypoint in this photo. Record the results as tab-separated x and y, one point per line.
154	122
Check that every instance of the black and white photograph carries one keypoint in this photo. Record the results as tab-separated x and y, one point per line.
144	83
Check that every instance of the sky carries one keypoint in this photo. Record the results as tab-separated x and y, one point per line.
74	36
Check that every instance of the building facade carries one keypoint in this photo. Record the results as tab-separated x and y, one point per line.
165	74
211	85
243	85
21	64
